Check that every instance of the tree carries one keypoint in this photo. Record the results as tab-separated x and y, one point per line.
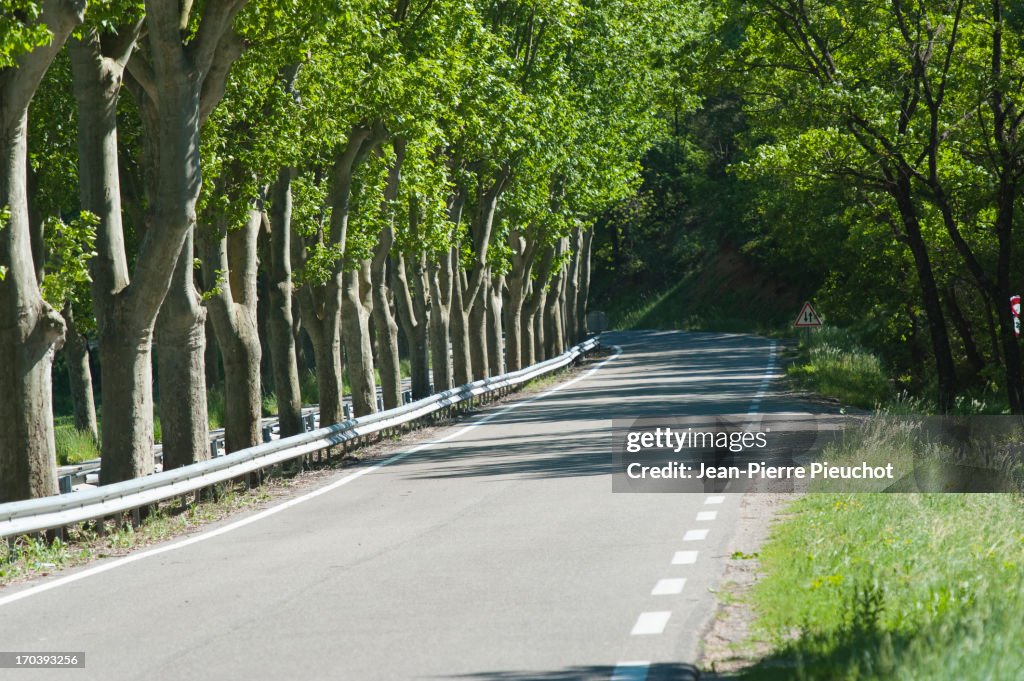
31	331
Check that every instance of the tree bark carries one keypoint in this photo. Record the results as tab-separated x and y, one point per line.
572	291
385	326
495	349
462	364
478	334
963	329
945	369
554	342
31	331
524	251
412	308
583	294
323	324
76	354
532	337
232	307
440	282
181	345
355	326
280	322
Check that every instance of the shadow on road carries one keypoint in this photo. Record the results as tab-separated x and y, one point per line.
656	672
658	374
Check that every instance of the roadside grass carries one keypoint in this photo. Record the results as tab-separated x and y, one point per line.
880	586
832	362
894	586
73	445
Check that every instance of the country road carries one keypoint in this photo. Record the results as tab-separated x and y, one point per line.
497	554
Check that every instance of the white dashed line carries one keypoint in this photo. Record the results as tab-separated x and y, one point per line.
649	623
668	587
695	535
631	671
684	558
707	515
714	500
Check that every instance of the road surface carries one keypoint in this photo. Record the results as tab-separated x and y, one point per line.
499	554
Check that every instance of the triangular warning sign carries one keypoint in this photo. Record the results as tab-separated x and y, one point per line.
807	317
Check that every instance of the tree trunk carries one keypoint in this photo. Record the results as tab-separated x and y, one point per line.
76	354
553	340
572	291
532	343
945	369
478	334
31	331
412	307
440	282
323	324
385	327
495	349
280	320
462	364
963	329
232	306
539	346
181	342
583	293
355	326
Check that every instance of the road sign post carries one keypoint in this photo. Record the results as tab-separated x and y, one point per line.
807	319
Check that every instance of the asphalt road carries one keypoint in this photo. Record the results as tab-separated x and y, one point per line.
499	554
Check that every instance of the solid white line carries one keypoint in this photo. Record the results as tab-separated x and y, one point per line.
224	529
668	587
649	623
695	535
715	500
684	558
707	515
631	671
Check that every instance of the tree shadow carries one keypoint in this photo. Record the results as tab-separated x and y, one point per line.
658	671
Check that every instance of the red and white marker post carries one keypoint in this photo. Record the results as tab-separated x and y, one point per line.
1015	309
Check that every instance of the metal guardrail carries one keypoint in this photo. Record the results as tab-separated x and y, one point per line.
38	515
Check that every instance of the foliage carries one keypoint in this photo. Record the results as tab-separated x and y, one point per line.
893	586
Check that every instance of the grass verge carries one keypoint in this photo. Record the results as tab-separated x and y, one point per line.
894	586
831	362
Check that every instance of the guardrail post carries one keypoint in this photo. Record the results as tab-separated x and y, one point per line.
214	450
266	434
347	410
64	484
380	403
